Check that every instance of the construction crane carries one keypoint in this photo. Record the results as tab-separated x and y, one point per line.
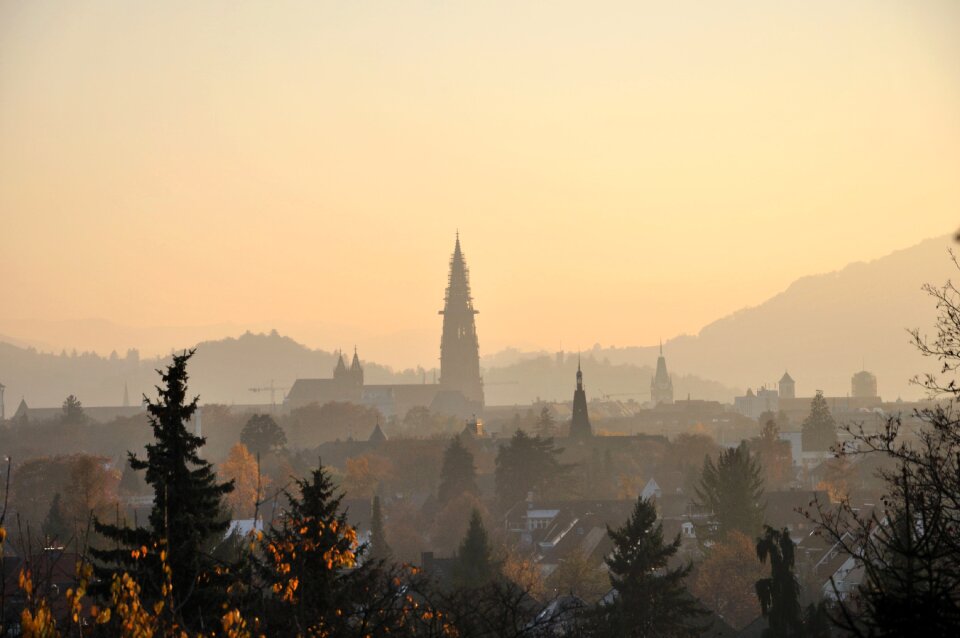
272	389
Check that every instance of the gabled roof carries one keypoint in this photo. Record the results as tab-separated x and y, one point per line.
651	489
786	378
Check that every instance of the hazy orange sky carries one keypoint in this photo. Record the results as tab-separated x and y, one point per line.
618	171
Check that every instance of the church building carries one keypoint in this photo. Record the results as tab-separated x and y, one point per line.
460	389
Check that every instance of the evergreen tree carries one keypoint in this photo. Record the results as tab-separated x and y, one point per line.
261	434
527	464
187	515
308	557
819	432
780	593
650	599
475	566
731	489
55	527
772	453
546	426
379	549
131	481
458	473
73	410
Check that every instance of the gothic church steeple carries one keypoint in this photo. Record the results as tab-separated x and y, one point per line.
661	386
580	427
459	347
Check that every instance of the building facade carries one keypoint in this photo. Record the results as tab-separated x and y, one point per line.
863	385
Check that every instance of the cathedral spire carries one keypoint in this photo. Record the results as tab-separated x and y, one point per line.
356	370
459	347
341	367
355	364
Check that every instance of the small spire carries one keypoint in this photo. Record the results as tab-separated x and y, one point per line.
661	346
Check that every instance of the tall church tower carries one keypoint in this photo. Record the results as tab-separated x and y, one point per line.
459	348
580	424
661	386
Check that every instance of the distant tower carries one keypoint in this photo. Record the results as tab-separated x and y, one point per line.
340	372
661	386
356	372
126	396
580	424
788	389
459	348
377	436
863	384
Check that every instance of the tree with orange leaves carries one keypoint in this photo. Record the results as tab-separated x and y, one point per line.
242	468
363	474
306	558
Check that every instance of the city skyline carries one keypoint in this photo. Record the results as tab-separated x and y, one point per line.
254	173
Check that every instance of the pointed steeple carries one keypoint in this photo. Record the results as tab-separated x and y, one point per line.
579	374
22	413
341	369
459	347
661	386
580	427
377	436
356	371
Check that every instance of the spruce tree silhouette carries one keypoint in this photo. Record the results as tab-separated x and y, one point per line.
186	519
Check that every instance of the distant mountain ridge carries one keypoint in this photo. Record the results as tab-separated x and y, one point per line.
222	371
821	328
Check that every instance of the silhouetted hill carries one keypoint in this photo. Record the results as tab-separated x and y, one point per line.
223	371
822	329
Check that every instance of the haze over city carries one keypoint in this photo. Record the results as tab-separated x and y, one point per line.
479	320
